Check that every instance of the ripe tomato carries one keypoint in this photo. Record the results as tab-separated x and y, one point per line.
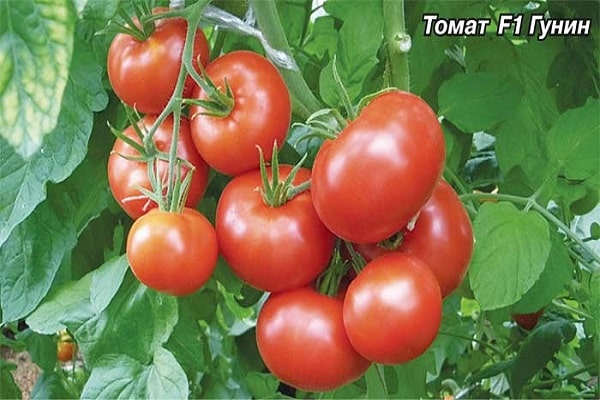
393	309
260	115
442	237
125	176
528	321
174	253
65	350
369	182
271	248
144	73
301	338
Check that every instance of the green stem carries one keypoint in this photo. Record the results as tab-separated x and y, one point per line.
569	309
529	202
473	339
304	101
398	44
557	379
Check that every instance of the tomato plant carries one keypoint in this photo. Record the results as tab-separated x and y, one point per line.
353	89
174	253
259	116
528	321
393	309
143	71
272	248
301	338
126	174
373	179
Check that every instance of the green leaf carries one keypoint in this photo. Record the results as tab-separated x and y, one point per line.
8	387
557	273
410	378
117	376
76	300
41	348
23	182
539	348
358	42
573	141
511	250
50	385
261	385
478	101
36	45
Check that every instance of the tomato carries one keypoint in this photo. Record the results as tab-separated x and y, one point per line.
442	237
144	73
174	253
393	309
126	176
271	248
528	321
260	116
301	338
65	350
369	182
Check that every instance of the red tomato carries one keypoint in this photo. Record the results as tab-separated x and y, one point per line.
144	73
442	237
369	182
260	116
125	176
174	253
65	350
271	248
393	309
528	321
301	338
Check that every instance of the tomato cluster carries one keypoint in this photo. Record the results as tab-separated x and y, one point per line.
376	188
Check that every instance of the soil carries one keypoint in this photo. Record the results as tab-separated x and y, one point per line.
26	372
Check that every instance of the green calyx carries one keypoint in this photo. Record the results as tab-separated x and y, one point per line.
275	192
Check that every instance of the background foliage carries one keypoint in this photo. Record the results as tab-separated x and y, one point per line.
520	116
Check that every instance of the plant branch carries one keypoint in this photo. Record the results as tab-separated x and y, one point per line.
398	44
303	100
472	339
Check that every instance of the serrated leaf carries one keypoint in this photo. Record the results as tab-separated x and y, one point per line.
117	376
36	44
478	101
511	249
23	182
557	273
573	141
539	348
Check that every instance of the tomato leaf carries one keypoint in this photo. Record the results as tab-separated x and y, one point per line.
50	386
539	348
119	376
23	181
557	273
478	101
511	250
573	141
409	379
36	44
8	387
261	385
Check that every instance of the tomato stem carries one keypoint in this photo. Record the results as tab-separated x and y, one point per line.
398	44
530	202
328	283
358	262
342	92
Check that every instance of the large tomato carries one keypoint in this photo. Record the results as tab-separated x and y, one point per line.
393	309
144	73
442	237
125	176
301	338
174	253
260	116
370	181
271	248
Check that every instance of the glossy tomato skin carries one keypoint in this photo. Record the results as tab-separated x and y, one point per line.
65	350
271	248
125	176
369	182
393	309
260	116
144	74
442	237
301	338
173	253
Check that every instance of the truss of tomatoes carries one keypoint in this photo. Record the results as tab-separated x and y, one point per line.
377	186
